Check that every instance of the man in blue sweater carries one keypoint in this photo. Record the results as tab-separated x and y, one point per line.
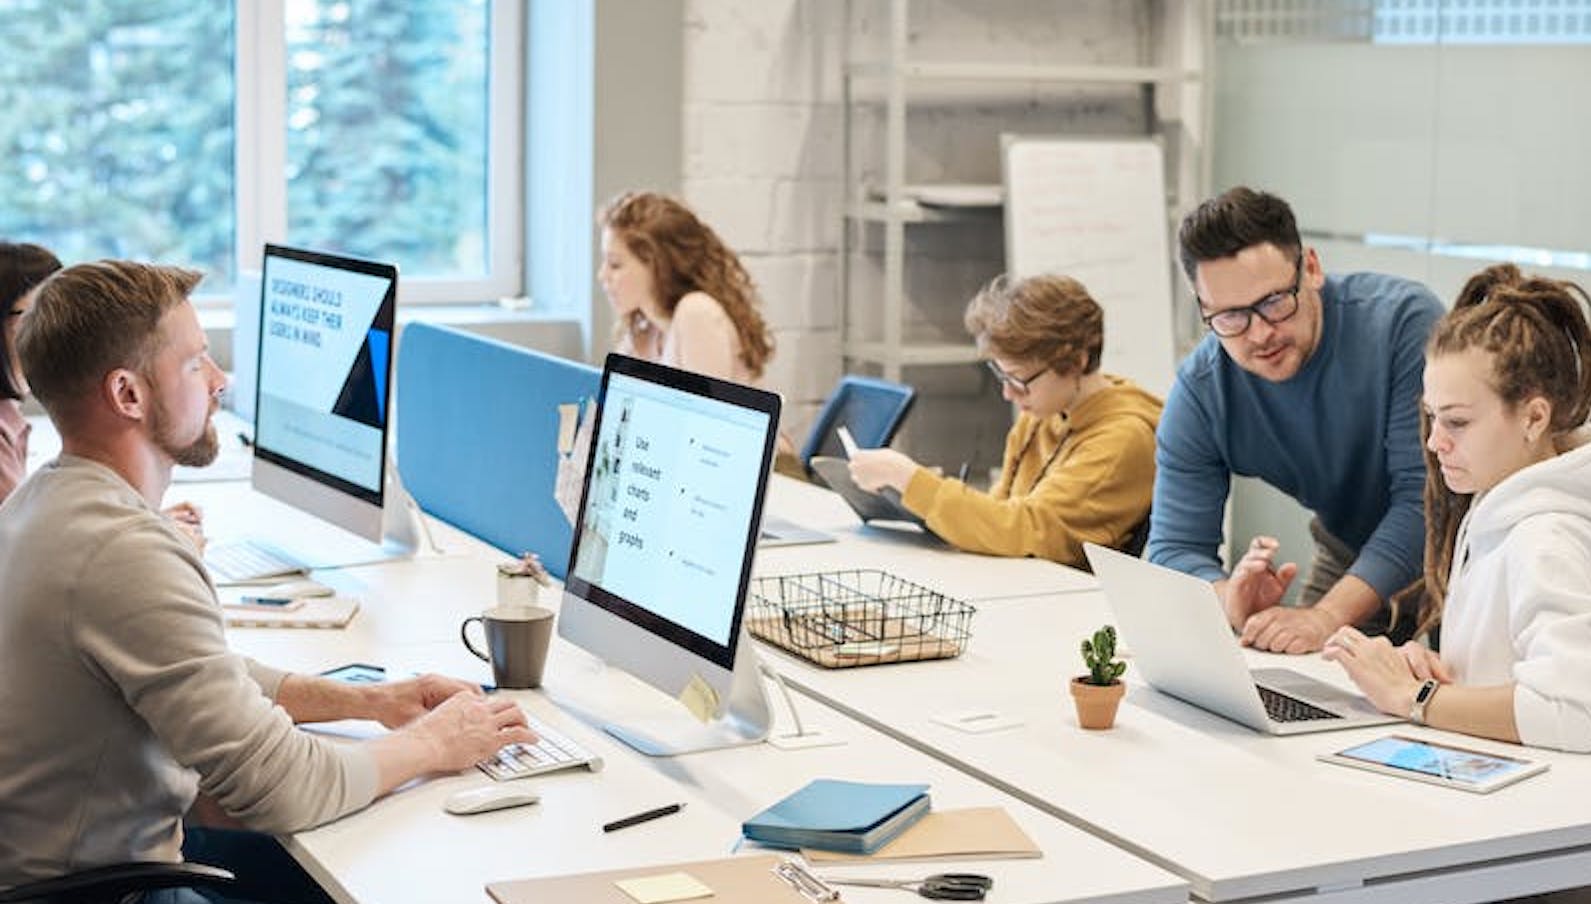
1312	384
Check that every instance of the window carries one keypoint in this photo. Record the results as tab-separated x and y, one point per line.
1419	137
118	130
192	132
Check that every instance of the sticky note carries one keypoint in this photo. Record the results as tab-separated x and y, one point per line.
664	887
700	698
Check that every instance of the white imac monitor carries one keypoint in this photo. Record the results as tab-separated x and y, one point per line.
324	386
663	546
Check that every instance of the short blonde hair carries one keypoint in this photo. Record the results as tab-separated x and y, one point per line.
1046	318
91	319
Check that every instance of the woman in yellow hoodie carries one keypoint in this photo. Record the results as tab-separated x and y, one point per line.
1079	461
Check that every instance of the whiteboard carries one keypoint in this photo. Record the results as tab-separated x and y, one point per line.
1095	210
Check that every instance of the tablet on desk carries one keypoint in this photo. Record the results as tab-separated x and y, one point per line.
1439	764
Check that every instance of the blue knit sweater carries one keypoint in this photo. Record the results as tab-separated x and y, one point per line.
1342	436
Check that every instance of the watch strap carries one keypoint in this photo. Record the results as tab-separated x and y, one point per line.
1422	699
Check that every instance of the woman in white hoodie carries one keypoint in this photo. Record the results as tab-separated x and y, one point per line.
1508	525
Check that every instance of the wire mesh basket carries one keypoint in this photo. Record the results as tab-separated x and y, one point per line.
844	619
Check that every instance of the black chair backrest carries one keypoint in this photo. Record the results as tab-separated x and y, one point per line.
114	883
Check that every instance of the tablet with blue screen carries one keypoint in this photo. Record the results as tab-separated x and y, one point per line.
1440	764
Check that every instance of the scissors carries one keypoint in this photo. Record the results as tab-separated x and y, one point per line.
939	886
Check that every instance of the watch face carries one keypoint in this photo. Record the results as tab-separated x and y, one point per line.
1425	691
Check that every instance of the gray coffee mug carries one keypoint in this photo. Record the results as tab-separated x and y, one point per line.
516	643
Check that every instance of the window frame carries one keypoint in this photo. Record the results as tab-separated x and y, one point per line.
260	157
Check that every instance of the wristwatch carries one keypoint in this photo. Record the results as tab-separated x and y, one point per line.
1422	699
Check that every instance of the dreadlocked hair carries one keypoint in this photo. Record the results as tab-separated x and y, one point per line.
1535	334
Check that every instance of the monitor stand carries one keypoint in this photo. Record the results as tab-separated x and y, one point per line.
747	718
402	523
403	534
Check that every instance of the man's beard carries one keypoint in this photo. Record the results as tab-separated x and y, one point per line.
196	454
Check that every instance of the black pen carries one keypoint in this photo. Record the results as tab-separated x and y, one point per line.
637	819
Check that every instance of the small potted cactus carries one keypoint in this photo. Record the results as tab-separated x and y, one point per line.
1098	693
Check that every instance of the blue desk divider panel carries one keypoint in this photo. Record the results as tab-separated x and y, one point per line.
478	436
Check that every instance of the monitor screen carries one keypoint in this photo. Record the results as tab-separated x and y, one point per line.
325	356
672	500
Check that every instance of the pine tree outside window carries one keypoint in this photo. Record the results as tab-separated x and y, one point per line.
190	133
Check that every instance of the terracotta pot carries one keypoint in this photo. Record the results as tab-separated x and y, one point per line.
1096	705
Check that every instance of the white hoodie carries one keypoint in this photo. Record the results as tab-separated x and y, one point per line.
1519	598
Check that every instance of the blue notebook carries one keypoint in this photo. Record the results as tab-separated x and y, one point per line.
828	815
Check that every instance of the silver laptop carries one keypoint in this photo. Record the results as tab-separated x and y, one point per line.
778	531
1181	643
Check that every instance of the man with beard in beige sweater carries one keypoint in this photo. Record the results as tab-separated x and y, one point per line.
122	702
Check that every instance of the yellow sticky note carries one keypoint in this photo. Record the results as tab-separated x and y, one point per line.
700	698
664	887
568	419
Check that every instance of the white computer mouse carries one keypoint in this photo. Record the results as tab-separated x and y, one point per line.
489	797
295	589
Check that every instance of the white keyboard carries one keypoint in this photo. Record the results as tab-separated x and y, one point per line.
553	752
245	560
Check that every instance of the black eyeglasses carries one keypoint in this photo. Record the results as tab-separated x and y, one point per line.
1273	308
1019	385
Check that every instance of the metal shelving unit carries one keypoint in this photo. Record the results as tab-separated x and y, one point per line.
897	81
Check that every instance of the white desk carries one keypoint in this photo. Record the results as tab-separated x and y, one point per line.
405	848
908	554
1238	814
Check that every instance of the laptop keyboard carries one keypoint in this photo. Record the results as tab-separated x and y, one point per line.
554	751
244	560
1282	708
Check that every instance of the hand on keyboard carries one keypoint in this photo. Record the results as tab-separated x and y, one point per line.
397	703
551	751
469	726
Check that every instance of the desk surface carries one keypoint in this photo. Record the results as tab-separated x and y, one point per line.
409	621
909	554
1237	813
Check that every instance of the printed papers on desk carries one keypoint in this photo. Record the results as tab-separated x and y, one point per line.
830	815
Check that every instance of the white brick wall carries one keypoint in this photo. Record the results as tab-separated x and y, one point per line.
762	163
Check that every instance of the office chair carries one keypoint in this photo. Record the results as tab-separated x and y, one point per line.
870	408
113	884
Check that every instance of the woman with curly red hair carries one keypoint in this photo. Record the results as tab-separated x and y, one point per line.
681	296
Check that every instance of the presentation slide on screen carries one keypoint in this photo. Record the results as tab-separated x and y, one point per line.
673	484
323	369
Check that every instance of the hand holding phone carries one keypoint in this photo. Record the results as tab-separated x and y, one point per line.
846	440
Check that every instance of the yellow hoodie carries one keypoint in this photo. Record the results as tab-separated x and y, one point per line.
1096	487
